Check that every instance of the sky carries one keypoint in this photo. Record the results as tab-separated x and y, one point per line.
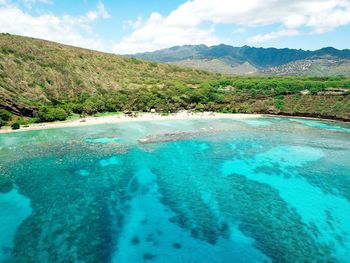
128	27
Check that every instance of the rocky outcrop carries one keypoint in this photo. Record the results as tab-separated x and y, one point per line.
17	108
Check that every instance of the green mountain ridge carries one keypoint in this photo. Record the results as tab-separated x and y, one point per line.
260	59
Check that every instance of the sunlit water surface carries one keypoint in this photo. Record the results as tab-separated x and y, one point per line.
255	190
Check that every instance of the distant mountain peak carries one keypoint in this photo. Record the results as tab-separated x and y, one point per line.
258	57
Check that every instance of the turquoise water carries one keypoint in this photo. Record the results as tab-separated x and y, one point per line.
257	190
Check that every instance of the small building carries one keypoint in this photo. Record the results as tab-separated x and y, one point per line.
228	88
153	110
305	92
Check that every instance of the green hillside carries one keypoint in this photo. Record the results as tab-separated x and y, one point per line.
46	81
35	72
323	66
218	66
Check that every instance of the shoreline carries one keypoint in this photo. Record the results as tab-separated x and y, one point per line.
305	118
121	118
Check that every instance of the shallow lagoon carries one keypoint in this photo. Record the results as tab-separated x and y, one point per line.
255	190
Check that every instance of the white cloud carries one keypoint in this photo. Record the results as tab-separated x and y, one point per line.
193	22
158	33
188	20
29	4
37	1
273	35
328	21
133	23
100	12
73	30
239	30
254	12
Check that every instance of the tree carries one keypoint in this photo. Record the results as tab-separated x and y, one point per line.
5	115
2	122
51	114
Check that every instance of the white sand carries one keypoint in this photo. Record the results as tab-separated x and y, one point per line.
120	118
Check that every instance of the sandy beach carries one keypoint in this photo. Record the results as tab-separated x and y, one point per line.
120	118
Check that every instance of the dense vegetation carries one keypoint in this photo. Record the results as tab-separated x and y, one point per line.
44	81
5	117
35	72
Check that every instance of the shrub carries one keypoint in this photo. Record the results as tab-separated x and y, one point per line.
279	102
76	108
21	121
51	114
337	106
5	115
2	122
15	125
90	107
94	105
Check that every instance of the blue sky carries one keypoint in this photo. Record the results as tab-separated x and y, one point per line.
145	25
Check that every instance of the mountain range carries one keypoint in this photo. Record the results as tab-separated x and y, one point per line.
247	60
